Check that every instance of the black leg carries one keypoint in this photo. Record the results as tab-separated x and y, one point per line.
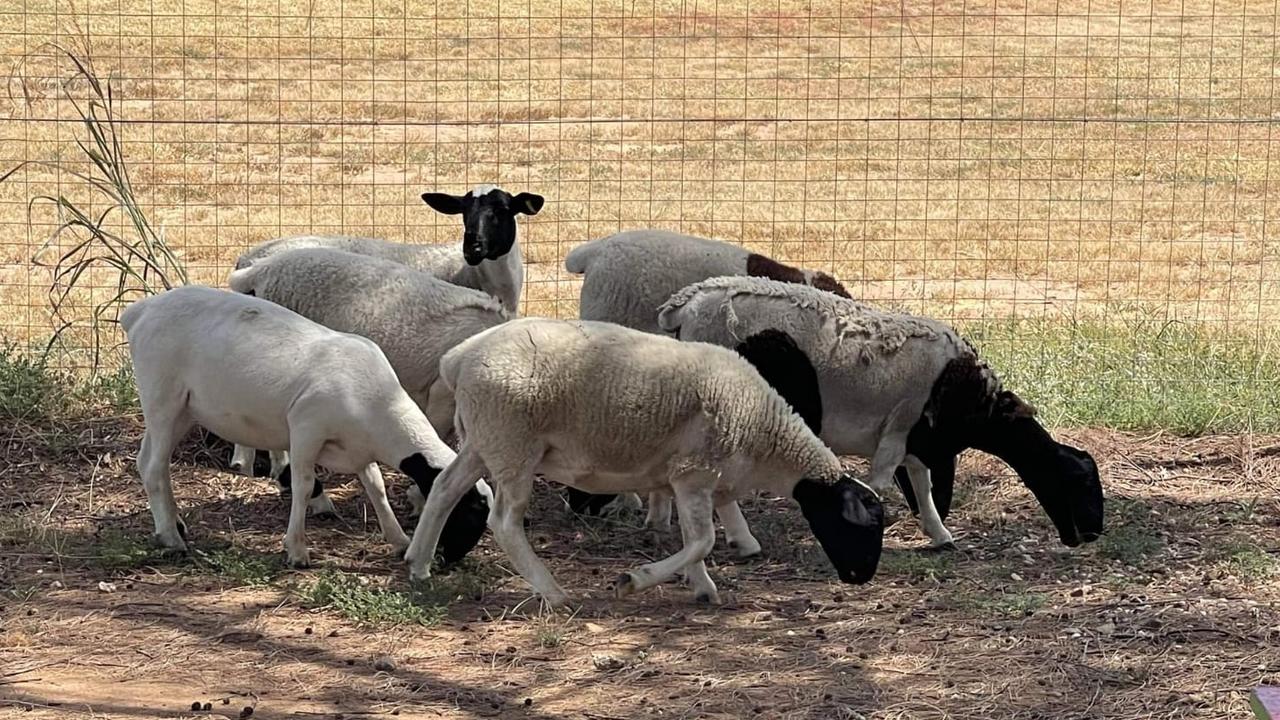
904	484
285	479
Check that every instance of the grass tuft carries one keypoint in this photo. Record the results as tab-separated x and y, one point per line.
358	599
1245	560
29	389
915	565
242	566
1005	604
1130	537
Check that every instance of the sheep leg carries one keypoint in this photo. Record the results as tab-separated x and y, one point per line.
371	478
888	456
163	432
736	532
450	485
922	485
242	460
693	502
658	517
302	481
279	458
512	491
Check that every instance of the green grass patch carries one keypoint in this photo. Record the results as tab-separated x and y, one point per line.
1244	559
29	389
242	566
1130	536
915	565
117	550
1005	604
361	600
1138	375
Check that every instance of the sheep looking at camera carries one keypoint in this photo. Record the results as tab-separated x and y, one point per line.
489	259
895	388
329	398
609	409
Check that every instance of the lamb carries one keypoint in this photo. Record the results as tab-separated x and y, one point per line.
626	276
490	260
607	409
898	389
411	316
328	397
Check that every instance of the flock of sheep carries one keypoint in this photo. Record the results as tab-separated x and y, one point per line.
699	372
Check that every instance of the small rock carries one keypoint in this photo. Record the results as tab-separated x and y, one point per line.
528	702
55	585
1107	628
245	712
207	707
605	661
308	630
594	628
384	664
106	587
195	706
1015	577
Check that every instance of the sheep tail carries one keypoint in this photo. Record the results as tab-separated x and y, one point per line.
132	313
579	259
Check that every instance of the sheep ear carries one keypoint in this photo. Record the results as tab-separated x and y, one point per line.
443	203
1012	406
527	203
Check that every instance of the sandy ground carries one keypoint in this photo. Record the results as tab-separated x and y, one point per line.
1172	615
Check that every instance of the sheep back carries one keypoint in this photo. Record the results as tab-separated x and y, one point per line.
615	399
414	317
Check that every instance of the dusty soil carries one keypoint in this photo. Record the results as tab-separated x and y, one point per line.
1172	615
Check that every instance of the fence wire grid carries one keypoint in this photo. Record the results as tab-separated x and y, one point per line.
1053	160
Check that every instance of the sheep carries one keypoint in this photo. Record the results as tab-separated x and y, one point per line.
898	389
490	260
626	276
606	409
331	398
412	316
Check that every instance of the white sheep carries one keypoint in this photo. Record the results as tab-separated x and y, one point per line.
898	389
607	409
412	316
489	259
628	275
330	398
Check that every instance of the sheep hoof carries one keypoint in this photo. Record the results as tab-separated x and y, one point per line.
175	542
624	585
322	506
744	550
948	546
299	561
707	598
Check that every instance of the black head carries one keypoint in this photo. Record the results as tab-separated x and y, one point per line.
848	520
488	219
1067	485
466	524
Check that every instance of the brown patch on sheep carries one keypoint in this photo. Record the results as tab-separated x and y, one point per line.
766	267
823	281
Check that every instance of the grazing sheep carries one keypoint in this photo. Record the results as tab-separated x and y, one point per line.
898	389
490	258
628	275
412	316
605	408
330	398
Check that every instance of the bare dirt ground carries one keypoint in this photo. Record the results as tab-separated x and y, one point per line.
1172	615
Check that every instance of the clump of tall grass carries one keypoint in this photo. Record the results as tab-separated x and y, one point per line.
119	243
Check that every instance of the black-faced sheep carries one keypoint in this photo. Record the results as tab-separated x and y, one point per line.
895	388
329	398
608	409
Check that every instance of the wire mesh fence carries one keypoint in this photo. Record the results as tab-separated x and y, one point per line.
1067	162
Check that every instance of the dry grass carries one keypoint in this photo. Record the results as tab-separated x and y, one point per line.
793	129
1172	615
